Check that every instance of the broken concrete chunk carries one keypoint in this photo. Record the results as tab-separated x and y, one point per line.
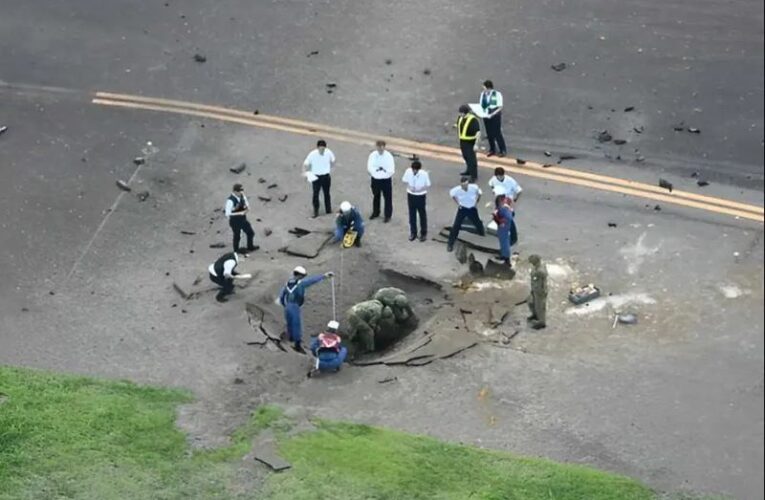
299	231
665	184
3	129
627	319
331	85
264	199
629	109
559	67
200	58
612	224
694	130
620	142
520	161
639	130
124	186
283	198
239	168
139	160
312	53
188	233
272	186
218	245
261	180
678	127
702	183
142	196
604	136
548	153
267	232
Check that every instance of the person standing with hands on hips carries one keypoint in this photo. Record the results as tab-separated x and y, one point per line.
236	210
466	196
417	184
381	167
491	103
319	163
469	131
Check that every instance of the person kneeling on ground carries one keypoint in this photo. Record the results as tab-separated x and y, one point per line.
349	219
223	273
328	350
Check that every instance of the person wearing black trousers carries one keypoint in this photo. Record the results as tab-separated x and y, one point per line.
319	163
381	168
469	132
466	196
236	210
417	184
491	103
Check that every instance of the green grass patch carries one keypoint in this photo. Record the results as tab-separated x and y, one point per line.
75	437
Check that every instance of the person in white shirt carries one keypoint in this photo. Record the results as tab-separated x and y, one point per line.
417	184
510	185
223	273
319	162
491	102
466	196
381	168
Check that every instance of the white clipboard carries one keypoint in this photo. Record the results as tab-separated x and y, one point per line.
310	177
478	110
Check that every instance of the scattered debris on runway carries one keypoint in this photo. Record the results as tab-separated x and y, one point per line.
559	67
200	58
123	186
666	185
239	168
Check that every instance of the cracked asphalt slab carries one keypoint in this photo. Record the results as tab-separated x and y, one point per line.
675	400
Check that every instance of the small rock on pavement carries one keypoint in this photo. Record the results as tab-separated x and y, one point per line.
238	381
548	154
389	61
665	184
3	129
142	196
657	208
264	199
620	142
639	130
331	85
702	183
426	71
629	109
566	157
520	161
678	127
217	245
312	53
283	198
261	180
272	186
123	186
694	130
139	160
267	232
612	224
187	232
604	136
559	67
200	58
387	380
239	168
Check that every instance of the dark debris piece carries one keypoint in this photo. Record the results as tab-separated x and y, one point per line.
389	61
657	208
694	130
200	58
218	245
239	168
604	136
639	130
678	127
331	85
548	154
559	67
566	157
520	161
267	232
629	109
124	186
188	233
702	183
139	160
261	180
620	142
426	71
142	196
272	186
665	184
312	53
694	175
612	224
283	198
264	199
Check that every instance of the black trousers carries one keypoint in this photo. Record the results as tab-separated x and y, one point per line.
322	183
382	187
226	285
494	133
239	224
416	205
462	213
471	162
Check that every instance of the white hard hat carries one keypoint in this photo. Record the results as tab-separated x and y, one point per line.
499	190
333	325
345	206
299	270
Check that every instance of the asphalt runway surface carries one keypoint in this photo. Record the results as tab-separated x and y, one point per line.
400	68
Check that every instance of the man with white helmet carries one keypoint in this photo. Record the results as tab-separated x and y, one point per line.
349	219
292	297
328	349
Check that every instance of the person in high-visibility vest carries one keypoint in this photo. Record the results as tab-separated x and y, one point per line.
491	103
469	132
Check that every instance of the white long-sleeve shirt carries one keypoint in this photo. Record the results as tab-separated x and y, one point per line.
466	198
488	93
320	164
510	185
416	183
228	267
381	166
230	205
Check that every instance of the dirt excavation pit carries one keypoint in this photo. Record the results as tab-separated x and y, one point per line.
449	319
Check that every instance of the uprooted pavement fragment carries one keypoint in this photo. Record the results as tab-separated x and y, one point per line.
123	186
309	246
239	168
665	184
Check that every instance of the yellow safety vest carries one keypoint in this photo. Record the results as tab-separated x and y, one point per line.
462	127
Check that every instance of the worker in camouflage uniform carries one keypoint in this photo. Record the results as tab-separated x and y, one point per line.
364	323
538	298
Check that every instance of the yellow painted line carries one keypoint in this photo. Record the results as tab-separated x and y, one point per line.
395	141
409	147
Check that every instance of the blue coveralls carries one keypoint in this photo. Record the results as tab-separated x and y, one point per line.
350	221
329	359
504	226
291	298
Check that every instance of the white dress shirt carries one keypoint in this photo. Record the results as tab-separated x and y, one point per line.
416	183
466	198
230	206
381	166
320	164
512	188
497	93
228	267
